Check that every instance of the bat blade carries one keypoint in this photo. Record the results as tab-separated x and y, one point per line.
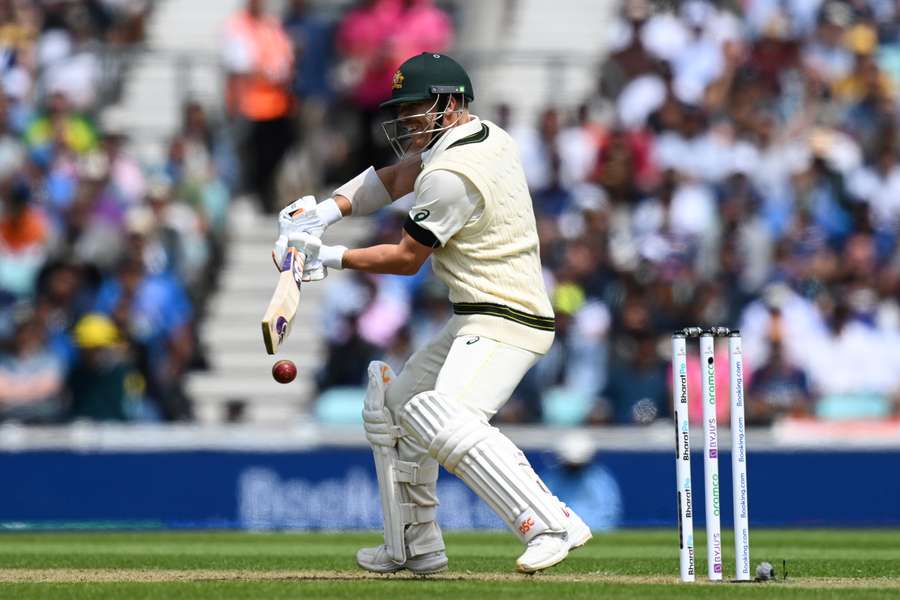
279	316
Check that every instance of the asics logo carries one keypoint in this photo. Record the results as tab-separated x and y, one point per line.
526	525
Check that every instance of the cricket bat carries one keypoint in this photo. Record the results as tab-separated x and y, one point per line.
279	316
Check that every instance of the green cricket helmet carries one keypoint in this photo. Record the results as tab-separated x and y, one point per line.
426	77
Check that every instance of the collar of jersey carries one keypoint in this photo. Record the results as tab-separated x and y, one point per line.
452	134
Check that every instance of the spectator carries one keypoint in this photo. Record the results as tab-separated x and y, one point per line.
554	198
422	28
154	313
362	41
60	129
24	239
779	389
202	168
31	376
537	146
347	358
126	177
631	57
17	37
578	146
102	381
825	56
853	368
64	293
637	389
12	153
700	61
97	212
865	77
123	21
259	58
69	57
312	37
878	185
373	39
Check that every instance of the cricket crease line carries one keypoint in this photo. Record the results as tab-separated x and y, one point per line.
194	575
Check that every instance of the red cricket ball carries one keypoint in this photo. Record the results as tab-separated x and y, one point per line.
284	371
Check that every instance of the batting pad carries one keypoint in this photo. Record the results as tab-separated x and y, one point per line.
487	461
391	471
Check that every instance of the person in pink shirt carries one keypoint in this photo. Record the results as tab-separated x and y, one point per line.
374	39
362	40
422	27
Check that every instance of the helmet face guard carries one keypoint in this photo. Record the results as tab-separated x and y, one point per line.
406	135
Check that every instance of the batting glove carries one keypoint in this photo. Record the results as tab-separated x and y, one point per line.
316	252
304	215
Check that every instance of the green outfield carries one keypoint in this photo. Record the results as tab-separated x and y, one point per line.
225	565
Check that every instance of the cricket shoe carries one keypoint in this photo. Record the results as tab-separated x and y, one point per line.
544	550
578	532
377	560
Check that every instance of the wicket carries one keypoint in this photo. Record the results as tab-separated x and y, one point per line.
684	496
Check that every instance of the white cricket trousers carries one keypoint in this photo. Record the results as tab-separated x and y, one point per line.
478	372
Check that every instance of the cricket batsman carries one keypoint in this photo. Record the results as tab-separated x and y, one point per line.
472	214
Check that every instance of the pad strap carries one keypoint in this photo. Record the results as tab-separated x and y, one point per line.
412	513
416	474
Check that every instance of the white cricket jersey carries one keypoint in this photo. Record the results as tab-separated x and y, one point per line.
473	206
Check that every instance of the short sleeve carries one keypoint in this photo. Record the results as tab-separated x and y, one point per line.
445	202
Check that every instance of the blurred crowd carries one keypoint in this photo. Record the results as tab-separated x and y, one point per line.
738	165
104	262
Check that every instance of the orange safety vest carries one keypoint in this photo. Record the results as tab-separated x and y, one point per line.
261	94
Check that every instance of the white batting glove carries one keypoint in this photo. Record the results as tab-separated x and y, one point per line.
316	252
310	217
313	270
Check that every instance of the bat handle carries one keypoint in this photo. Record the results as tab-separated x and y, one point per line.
279	252
299	263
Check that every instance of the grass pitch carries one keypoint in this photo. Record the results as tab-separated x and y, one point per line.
845	564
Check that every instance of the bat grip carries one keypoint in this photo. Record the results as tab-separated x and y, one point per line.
299	263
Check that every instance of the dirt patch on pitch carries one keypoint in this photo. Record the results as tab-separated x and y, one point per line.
187	575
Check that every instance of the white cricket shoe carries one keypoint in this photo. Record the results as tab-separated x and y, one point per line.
578	531
544	550
376	560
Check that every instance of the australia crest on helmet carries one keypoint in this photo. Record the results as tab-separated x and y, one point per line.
398	80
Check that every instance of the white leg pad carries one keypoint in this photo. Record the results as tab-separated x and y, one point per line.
391	471
487	461
382	435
